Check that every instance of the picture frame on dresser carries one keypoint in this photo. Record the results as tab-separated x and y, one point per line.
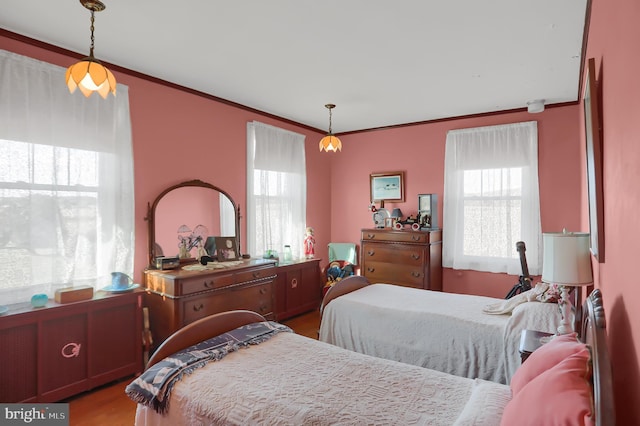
388	186
428	211
594	162
226	249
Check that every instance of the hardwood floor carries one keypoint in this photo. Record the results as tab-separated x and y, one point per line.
109	405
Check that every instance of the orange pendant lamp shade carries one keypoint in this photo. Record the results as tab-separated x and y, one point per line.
330	142
89	75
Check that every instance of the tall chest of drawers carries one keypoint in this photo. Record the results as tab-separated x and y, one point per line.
402	257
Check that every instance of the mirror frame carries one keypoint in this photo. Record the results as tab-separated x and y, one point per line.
151	213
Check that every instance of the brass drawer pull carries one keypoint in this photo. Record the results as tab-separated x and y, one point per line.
263	290
416	237
294	283
416	274
369	269
371	252
256	274
199	307
415	256
208	284
371	236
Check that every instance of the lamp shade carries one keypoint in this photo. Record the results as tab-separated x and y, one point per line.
91	76
330	143
566	259
396	213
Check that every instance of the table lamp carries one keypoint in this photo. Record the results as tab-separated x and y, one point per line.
567	263
396	213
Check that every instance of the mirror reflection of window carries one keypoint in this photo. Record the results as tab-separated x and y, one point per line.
227	216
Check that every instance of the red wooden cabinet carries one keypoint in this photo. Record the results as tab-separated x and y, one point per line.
52	353
298	288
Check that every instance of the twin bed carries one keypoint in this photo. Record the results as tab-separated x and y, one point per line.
443	331
258	372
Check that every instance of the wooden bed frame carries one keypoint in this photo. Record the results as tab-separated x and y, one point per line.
347	285
593	332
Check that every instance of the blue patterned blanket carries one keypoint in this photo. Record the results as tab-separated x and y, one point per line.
153	387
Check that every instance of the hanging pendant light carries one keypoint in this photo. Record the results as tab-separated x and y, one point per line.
89	75
330	142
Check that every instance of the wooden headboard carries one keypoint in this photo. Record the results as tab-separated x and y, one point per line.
593	333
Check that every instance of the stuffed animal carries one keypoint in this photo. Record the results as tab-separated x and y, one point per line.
336	273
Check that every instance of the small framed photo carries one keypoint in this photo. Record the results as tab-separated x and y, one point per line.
389	222
387	187
226	248
428	210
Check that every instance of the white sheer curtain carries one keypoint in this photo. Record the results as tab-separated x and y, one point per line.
276	189
491	198
66	182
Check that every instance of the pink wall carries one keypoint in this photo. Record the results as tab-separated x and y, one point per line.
419	151
613	41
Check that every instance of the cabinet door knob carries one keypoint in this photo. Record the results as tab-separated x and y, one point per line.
415	256
199	307
371	252
416	274
294	283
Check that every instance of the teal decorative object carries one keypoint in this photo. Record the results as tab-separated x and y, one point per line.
39	300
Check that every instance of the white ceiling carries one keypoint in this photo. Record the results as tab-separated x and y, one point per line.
383	63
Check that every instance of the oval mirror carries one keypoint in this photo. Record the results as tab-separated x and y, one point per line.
185	219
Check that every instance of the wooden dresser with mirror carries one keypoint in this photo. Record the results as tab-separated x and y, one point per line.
177	297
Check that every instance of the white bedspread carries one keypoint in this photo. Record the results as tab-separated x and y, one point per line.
294	380
443	331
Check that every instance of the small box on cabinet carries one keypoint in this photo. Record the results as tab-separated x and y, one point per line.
73	294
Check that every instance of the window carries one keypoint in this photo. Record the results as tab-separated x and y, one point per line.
276	190
491	198
66	183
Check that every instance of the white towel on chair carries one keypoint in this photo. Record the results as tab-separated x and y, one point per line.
343	251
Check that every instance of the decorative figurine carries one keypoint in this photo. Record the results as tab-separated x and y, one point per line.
309	244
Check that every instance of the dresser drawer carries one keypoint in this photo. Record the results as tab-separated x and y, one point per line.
208	282
254	297
255	274
396	237
389	273
403	254
199	307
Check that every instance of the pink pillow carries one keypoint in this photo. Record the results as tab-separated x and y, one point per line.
547	356
561	395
